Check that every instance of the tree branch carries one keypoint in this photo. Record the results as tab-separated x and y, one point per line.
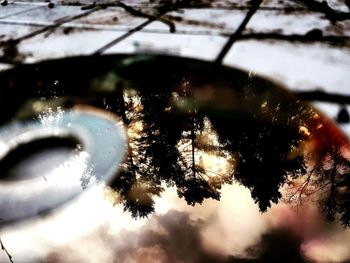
302	186
332	40
323	7
139	13
6	251
318	95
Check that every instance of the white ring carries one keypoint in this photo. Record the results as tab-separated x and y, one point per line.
103	141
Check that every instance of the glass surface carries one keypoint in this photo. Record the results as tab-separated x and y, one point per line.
221	166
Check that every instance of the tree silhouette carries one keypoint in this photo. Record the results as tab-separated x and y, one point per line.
327	179
172	114
195	126
264	129
154	149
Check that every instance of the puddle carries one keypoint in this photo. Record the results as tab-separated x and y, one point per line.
221	165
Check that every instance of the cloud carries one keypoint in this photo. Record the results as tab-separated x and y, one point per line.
174	237
180	240
275	246
229	231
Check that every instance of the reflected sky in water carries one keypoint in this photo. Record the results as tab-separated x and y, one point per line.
220	166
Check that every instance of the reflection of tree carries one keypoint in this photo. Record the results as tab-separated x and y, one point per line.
333	176
179	134
181	125
157	152
265	139
196	127
137	181
327	179
264	162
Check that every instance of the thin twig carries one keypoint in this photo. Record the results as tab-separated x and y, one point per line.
151	18
6	251
139	13
323	7
236	35
303	185
318	95
319	189
332	40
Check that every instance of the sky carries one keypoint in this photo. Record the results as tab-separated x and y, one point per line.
93	229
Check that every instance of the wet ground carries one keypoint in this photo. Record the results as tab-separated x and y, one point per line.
212	153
